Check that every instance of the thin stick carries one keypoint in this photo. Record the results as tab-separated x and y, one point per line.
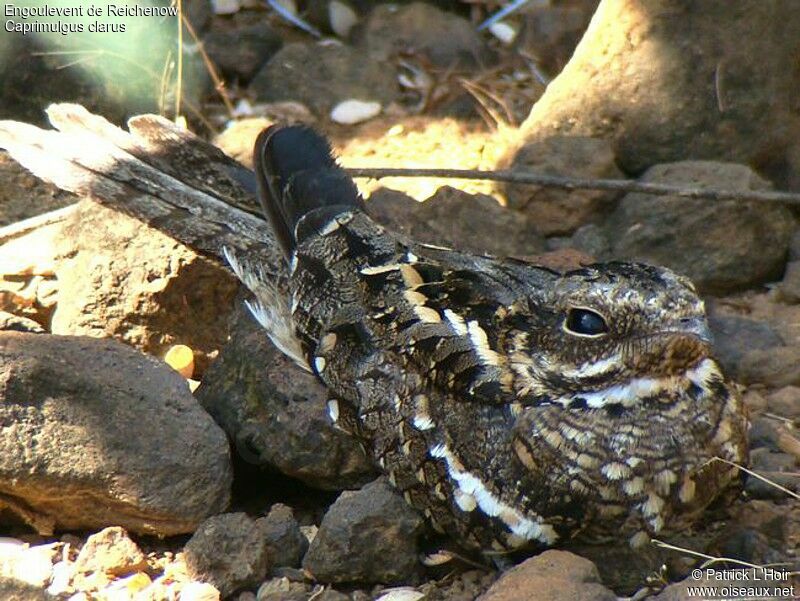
709	558
757	476
179	74
580	183
219	85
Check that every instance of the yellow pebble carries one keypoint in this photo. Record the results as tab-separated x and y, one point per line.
181	358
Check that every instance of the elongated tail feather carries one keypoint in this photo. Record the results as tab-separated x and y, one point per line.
300	186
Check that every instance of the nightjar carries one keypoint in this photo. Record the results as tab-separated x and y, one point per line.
511	404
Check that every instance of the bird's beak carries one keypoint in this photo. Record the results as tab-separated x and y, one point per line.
697	327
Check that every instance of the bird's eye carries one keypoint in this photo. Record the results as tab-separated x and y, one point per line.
585	322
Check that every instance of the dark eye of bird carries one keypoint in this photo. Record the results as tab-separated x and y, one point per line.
585	322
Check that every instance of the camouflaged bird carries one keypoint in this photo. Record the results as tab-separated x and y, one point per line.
511	404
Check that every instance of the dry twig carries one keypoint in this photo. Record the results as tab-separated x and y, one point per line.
581	183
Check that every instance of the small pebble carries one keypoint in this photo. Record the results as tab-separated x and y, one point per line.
503	32
199	591
402	593
226	7
350	112
110	551
180	358
342	18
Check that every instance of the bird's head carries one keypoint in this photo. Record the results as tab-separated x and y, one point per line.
621	334
622	400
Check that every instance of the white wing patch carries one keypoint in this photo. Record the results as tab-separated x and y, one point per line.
480	343
269	309
471	487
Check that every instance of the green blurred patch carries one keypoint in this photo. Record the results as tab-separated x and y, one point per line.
118	58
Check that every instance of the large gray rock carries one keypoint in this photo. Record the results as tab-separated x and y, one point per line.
785	402
451	217
779	468
276	413
736	336
667	80
558	212
322	75
368	535
723	246
241	51
776	367
444	39
97	434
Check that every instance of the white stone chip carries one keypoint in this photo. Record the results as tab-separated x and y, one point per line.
352	111
503	32
342	18
226	7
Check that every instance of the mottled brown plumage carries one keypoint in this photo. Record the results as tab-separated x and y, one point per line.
511	404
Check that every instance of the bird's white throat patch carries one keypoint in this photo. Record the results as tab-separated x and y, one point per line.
631	392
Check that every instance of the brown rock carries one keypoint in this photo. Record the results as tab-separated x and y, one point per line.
779	468
785	402
735	336
22	195
282	589
101	435
722	246
285	540
422	30
559	212
240	52
754	401
563	259
551	576
229	551
789	288
726	95
451	217
322	75
276	413
111	551
332	595
779	366
368	535
120	278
